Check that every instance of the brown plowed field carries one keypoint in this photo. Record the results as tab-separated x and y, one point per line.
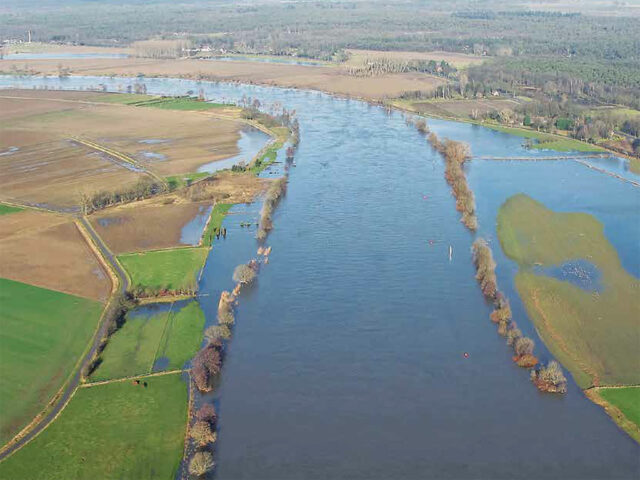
49	251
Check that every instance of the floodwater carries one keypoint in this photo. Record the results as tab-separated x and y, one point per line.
192	231
250	142
347	356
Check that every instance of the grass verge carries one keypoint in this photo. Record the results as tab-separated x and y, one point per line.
622	404
42	335
218	213
112	431
592	331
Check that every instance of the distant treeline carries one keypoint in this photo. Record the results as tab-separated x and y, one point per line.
324	29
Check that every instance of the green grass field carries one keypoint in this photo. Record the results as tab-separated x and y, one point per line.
594	334
546	141
175	269
43	333
626	399
167	103
113	431
7	209
175	335
218	213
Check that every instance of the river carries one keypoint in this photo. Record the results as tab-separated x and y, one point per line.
347	356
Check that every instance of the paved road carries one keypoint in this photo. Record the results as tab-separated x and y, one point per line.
75	381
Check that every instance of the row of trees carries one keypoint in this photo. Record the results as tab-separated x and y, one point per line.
455	154
144	188
380	65
549	378
275	192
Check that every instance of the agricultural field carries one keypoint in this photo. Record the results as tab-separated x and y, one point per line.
49	251
458	60
146	225
157	270
111	431
155	338
574	316
332	79
463	109
42	335
44	165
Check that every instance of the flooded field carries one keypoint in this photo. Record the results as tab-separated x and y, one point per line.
347	359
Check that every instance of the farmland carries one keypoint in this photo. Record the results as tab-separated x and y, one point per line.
112	431
42	335
167	334
36	247
148	225
156	270
574	320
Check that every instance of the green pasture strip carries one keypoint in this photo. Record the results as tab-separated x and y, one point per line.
218	213
7	209
627	399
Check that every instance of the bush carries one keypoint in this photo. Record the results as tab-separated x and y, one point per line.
523	346
244	274
202	434
513	334
550	378
206	365
201	463
207	413
485	268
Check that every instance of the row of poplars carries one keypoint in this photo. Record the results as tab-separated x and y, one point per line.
455	154
547	378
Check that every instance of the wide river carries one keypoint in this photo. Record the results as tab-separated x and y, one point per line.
347	356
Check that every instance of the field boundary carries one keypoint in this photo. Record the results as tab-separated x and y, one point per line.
132	377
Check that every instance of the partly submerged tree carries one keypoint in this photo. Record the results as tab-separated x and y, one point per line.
201	463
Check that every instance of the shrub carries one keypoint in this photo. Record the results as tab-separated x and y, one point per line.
206	365
202	434
485	268
218	332
244	274
201	463
207	413
523	346
421	125
550	378
513	334
501	313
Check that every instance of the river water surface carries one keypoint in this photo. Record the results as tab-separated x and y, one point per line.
347	356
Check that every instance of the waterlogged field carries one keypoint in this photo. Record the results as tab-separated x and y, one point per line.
175	269
146	225
48	250
164	336
113	431
42	334
589	318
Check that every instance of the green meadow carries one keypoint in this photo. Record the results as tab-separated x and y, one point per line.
627	399
43	333
595	334
112	431
546	141
6	209
175	269
174	334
